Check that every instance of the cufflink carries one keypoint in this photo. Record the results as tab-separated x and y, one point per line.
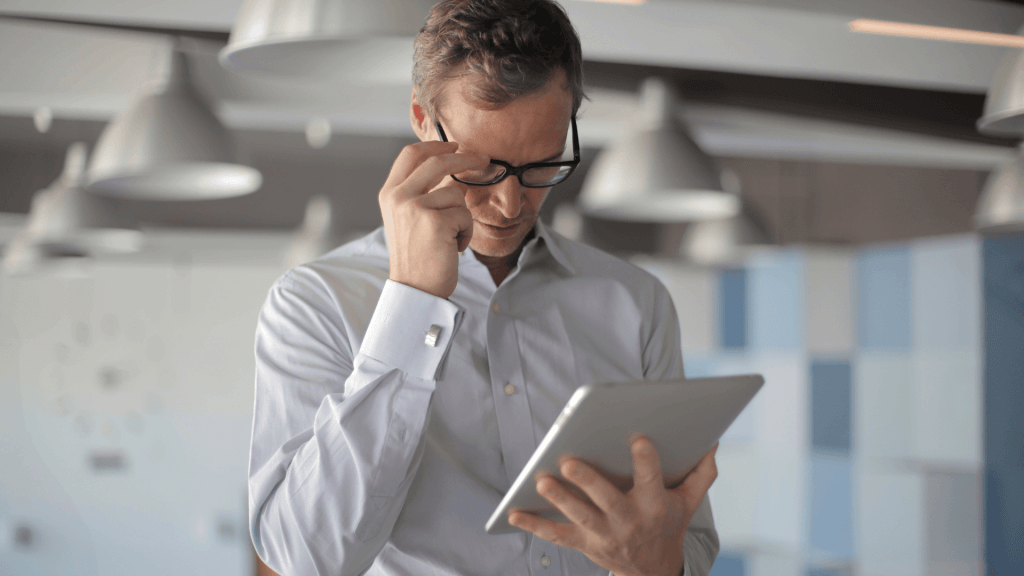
432	334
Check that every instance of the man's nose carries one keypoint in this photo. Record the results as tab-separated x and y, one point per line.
507	195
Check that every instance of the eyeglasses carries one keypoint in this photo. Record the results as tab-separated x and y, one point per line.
533	175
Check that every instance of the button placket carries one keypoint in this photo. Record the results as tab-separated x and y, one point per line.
512	411
544	556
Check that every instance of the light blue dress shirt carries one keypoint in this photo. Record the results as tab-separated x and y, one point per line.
389	423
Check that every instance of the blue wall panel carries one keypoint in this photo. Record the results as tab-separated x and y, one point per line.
732	307
831	506
946	293
698	366
883	299
730	564
777	301
830	406
823	572
1004	404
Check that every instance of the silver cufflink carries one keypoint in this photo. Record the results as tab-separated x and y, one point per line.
432	334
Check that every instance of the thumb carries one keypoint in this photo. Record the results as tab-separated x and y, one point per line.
463	238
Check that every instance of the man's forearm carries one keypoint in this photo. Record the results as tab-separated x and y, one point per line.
335	448
345	485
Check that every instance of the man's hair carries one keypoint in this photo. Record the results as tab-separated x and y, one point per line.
508	48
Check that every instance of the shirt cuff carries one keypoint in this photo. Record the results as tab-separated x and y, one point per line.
411	330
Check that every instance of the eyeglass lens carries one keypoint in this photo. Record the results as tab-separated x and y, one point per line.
540	176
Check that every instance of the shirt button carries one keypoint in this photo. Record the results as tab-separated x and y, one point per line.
510	389
496	308
545	561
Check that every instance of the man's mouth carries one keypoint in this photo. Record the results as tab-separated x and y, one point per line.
501	232
508	227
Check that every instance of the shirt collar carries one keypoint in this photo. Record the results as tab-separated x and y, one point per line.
554	245
543	239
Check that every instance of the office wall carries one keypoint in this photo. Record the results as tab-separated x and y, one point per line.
125	410
126	398
863	452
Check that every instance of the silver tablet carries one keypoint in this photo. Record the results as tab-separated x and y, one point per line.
683	418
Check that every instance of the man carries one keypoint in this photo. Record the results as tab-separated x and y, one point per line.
404	379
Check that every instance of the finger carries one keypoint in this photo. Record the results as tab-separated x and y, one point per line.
413	155
447	197
464	238
459	221
646	465
697	483
453	200
605	495
558	533
578	512
432	170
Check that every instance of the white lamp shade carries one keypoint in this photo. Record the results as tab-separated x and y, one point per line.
725	241
66	217
1000	207
75	217
169	145
24	257
656	172
367	40
1003	114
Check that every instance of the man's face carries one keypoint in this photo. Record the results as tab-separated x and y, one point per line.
532	128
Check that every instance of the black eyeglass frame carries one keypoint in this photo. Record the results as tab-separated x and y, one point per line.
511	170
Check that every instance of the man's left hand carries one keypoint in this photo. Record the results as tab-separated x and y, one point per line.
639	533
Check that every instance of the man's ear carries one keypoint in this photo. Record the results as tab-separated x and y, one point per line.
422	125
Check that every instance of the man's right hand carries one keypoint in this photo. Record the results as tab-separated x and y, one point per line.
427	229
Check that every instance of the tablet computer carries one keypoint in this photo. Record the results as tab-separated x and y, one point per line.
683	418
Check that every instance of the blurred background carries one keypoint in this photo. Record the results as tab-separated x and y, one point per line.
831	190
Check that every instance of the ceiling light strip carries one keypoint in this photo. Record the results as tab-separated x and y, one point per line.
936	33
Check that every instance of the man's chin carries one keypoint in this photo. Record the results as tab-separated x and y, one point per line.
487	245
495	248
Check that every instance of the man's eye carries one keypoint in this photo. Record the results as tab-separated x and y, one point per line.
487	174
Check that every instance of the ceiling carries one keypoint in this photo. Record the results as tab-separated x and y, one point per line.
773	80
86	72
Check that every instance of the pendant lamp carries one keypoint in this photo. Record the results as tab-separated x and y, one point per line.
43	242
68	218
1000	207
1003	114
169	145
317	235
22	257
725	241
656	172
326	39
